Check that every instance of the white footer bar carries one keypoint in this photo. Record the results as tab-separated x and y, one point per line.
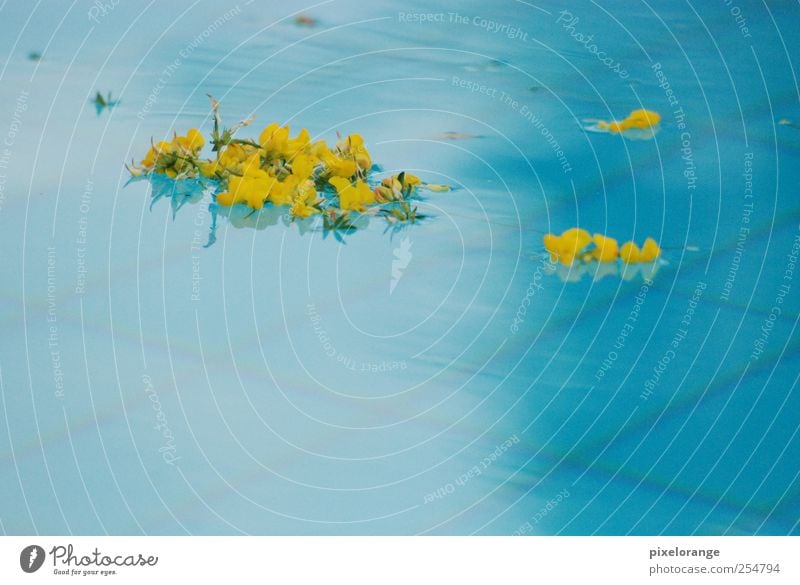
400	560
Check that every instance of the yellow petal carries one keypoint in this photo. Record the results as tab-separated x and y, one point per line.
551	244
302	166
606	249
252	168
630	253
226	199
339	183
208	168
574	240
300	209
566	259
266	134
650	250
195	139
641	119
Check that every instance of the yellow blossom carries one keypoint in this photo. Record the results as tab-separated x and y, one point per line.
353	147
252	191
300	209
154	152
630	253
298	144
209	168
282	192
409	180
337	167
640	119
606	249
566	247
650	250
192	142
303	165
234	156
273	138
353	197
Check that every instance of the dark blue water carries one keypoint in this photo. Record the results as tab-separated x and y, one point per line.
280	382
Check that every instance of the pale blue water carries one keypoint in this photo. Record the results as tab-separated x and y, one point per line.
299	393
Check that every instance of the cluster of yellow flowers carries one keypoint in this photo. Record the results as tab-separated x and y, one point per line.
573	244
308	177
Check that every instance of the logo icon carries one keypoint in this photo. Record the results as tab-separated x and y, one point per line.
31	558
401	260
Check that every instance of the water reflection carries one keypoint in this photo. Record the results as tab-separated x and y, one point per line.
396	215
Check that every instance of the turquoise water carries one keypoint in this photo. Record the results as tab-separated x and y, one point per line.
279	382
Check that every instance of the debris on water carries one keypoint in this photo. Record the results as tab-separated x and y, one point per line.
101	103
788	122
305	20
458	136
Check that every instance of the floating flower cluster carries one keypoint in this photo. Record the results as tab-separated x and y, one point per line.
578	244
305	177
639	125
256	183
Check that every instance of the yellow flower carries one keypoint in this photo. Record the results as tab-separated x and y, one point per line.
177	158
393	189
249	190
335	166
298	144
234	156
353	197
641	119
409	180
193	141
282	192
209	168
630	253
566	247
273	138
319	149
303	165
340	168
353	147
306	192
155	151
606	249
384	194
301	210
252	167
275	141
650	250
